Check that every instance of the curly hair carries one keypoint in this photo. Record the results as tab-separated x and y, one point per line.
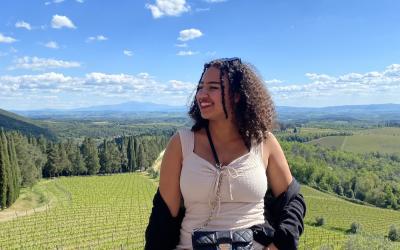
254	112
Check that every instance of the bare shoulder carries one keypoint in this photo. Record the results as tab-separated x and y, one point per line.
170	171
278	171
270	145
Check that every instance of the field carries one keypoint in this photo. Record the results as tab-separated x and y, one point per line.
338	215
100	212
384	140
111	212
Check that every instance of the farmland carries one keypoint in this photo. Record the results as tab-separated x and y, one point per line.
103	212
384	140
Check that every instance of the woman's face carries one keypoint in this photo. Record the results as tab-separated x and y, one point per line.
209	97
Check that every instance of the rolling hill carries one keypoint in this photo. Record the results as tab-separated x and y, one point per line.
11	121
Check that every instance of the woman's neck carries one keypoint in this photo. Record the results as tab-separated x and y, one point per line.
223	131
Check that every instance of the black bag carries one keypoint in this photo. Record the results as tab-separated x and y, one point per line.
241	239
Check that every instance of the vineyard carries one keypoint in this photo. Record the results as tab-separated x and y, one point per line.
101	212
111	212
384	140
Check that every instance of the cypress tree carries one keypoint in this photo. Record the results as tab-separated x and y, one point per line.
90	156
124	157
104	158
64	164
51	167
3	175
14	170
137	142
4	159
130	154
114	157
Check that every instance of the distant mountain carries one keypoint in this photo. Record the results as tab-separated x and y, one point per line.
132	110
127	110
11	121
371	112
134	107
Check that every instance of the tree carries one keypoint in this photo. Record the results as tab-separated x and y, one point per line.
114	157
15	174
394	233
51	168
355	227
90	156
105	158
3	171
78	164
65	165
131	153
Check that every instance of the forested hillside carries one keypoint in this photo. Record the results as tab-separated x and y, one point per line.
11	121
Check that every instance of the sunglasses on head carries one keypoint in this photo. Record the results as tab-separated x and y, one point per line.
231	59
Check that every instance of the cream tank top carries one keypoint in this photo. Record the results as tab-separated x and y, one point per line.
242	190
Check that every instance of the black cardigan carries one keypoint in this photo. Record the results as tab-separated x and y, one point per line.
283	225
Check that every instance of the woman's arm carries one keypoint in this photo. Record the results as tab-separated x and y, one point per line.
166	216
170	172
287	207
278	172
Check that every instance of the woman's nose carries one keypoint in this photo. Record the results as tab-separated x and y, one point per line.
202	92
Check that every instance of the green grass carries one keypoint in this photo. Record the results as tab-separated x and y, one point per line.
111	212
99	212
384	140
338	215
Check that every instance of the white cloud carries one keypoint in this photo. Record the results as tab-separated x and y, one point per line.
189	34
52	45
181	45
182	86
36	63
187	53
202	9
22	24
98	85
273	82
80	1
59	22
168	8
96	38
58	1
128	52
347	85
6	39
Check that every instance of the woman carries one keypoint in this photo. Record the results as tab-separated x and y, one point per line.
223	167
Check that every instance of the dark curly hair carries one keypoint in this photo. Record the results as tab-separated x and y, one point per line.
254	112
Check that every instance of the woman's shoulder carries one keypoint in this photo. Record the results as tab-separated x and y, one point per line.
270	144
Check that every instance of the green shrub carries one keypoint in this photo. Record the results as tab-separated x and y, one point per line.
319	221
394	233
355	227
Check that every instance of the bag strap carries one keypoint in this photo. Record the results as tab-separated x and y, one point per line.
218	193
212	146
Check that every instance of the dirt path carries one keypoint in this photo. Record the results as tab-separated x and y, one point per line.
27	204
343	143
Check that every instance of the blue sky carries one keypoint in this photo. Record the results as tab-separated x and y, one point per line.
76	53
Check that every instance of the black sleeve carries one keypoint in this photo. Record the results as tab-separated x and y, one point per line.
163	230
284	219
290	224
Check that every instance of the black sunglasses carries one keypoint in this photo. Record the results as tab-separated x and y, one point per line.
231	59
